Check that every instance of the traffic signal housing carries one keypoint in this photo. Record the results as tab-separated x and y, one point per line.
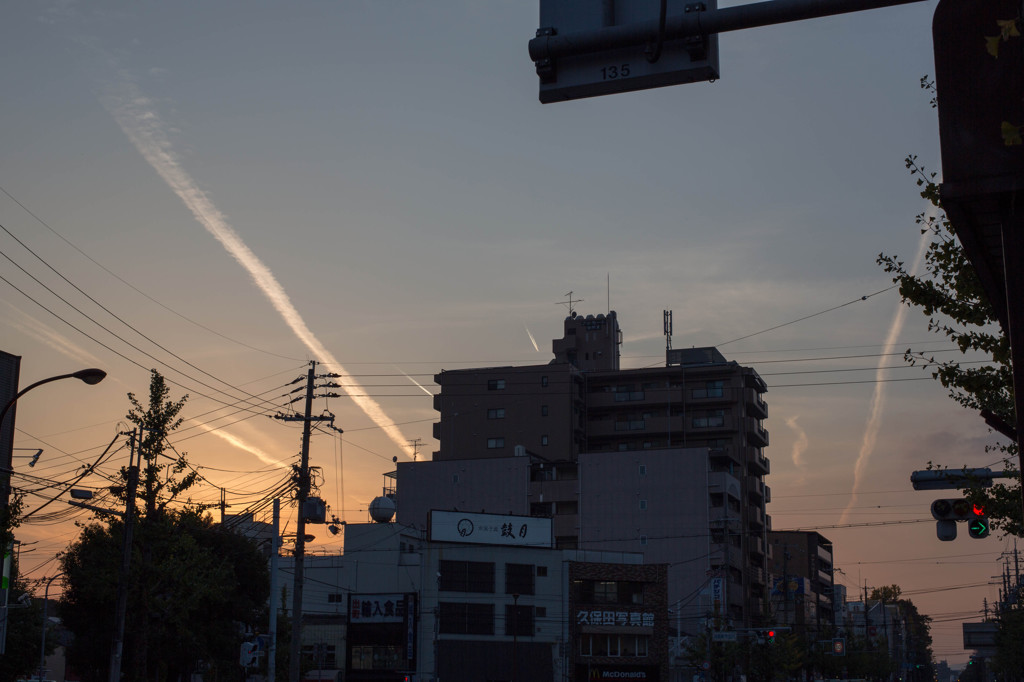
247	655
947	512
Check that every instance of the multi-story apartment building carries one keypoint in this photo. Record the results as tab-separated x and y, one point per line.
667	460
803	589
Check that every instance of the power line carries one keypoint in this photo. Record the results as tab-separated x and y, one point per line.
112	350
807	317
136	289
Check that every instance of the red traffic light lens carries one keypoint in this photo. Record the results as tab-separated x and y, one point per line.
961	508
979	510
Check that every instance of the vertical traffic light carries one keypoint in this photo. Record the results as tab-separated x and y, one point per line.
771	636
247	656
977	526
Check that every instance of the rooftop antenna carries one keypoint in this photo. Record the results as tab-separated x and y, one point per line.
572	310
668	329
415	443
608	284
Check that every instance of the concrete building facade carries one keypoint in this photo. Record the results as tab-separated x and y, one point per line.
803	586
400	605
668	461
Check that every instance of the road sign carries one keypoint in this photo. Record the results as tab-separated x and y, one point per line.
654	60
839	646
724	636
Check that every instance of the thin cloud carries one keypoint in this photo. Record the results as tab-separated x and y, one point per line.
49	337
532	340
877	409
138	119
799	446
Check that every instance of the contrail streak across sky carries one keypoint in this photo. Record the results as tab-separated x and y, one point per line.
138	119
421	386
242	445
532	340
874	423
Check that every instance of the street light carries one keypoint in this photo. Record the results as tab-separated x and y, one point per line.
42	648
90	376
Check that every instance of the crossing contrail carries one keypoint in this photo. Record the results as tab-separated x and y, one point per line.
242	445
877	408
532	340
421	386
138	119
41	332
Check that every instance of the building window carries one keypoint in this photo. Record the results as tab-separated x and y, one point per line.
542	571
643	467
567	507
519	579
542	509
543	410
709	419
373	657
608	592
335	598
643	505
541	612
633	646
457	618
544	381
455	478
496	413
712	389
518	620
495	443
496	385
544	440
643	539
466	576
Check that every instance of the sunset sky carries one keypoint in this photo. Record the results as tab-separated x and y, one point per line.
227	190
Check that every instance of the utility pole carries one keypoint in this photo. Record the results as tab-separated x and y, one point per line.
302	494
300	537
134	462
867	618
275	546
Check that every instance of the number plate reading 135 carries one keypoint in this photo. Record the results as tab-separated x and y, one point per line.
609	73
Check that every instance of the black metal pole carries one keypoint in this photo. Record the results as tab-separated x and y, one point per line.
1013	251
694	24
